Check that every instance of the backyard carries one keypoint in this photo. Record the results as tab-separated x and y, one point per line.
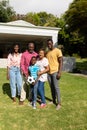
72	115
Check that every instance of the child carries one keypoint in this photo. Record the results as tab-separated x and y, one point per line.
33	71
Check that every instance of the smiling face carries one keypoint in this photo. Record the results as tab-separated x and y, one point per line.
16	48
41	54
30	47
33	60
50	44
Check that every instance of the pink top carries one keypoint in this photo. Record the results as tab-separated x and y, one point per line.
14	60
25	61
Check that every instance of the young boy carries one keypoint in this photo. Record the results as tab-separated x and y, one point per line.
33	71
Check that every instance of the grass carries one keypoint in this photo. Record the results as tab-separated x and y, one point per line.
72	115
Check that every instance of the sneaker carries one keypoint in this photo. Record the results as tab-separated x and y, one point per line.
34	107
58	107
42	105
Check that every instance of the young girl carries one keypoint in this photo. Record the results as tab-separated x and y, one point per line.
13	71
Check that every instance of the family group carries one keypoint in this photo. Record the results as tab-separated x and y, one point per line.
42	66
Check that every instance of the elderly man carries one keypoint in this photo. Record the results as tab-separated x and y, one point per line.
25	62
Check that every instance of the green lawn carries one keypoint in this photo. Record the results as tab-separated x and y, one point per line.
72	115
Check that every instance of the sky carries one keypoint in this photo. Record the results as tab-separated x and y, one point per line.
56	7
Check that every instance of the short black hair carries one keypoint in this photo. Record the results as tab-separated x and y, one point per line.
50	40
33	57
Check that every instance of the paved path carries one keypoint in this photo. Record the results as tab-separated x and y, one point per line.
78	74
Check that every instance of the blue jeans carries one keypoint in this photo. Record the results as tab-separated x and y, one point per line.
55	91
15	79
41	91
33	92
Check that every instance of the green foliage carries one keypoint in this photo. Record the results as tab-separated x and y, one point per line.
76	16
51	21
42	19
6	12
32	18
43	16
73	34
3	14
64	36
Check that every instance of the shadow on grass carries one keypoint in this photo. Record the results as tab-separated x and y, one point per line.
39	99
6	89
48	99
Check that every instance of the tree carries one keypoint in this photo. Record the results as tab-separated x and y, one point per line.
6	12
48	19
51	21
32	18
76	16
76	19
42	19
71	42
43	16
63	36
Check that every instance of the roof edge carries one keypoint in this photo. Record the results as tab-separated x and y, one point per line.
28	25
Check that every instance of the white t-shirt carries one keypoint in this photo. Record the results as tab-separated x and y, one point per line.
42	64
